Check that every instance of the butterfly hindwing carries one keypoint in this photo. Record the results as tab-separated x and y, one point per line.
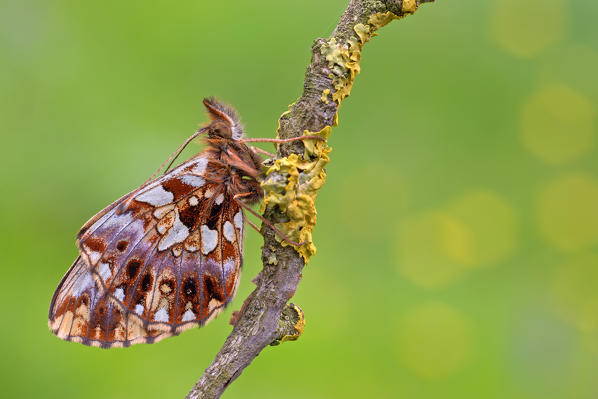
162	259
79	313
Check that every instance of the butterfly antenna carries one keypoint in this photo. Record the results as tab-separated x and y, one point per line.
175	154
260	140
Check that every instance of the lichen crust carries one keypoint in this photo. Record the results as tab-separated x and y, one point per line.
291	184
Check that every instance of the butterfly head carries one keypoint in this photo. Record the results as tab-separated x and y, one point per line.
224	120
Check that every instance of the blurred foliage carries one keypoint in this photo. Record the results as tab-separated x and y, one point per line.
457	233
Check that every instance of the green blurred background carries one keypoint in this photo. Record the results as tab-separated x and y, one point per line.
457	233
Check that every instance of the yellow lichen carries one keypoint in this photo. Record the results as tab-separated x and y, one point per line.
324	97
294	194
409	6
363	31
380	19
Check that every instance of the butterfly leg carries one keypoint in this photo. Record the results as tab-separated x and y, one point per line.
257	149
254	226
263	219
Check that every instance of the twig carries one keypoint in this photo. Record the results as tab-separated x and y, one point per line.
291	185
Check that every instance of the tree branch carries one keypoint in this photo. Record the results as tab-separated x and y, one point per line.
290	184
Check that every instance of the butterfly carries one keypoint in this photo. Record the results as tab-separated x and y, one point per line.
167	256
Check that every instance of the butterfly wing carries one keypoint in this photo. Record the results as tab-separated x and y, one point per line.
162	259
80	313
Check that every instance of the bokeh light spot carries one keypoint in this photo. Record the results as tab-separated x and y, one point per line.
436	248
526	28
491	223
567	212
433	248
557	124
575	291
435	340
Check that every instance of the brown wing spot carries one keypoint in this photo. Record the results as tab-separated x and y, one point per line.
146	282
210	285
133	268
214	216
95	244
113	327
177	187
122	245
140	300
190	288
190	216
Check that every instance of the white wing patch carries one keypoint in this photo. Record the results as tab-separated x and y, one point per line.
193	180
229	266
177	233
188	315
119	294
200	166
104	271
229	231
156	196
94	256
209	239
238	219
161	315
139	309
83	283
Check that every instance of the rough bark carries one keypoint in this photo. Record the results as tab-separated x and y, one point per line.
266	317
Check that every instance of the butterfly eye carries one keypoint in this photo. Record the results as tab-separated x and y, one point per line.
220	129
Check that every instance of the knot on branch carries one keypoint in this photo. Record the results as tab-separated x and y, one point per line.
290	324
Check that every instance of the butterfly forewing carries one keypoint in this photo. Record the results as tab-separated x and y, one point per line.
162	259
